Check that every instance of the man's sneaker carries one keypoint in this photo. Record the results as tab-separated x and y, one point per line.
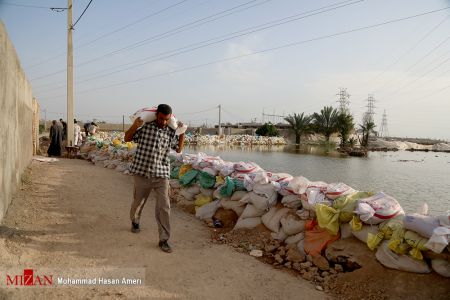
135	227
164	245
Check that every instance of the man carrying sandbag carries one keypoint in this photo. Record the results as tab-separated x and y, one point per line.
151	169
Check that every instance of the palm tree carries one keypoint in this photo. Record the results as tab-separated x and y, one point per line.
326	122
300	124
345	126
367	128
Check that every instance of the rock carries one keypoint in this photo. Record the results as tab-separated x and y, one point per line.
305	265
349	253
325	274
309	258
321	262
278	258
270	248
256	253
294	255
308	276
281	252
338	268
318	278
333	271
288	265
319	288
313	270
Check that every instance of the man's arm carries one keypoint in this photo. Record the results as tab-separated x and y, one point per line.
132	130
180	143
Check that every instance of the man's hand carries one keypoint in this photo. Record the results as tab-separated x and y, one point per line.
138	122
180	124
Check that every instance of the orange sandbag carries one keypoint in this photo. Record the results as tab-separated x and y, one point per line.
316	238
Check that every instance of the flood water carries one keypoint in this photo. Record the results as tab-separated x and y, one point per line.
411	177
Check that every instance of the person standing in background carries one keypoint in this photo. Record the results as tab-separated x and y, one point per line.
64	125
56	139
77	133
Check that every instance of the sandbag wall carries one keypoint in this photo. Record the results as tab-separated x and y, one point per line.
298	212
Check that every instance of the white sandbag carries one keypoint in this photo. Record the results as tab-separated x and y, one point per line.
304	214
236	206
280	235
441	266
313	197
148	114
246	167
261	202
208	210
238	195
364	232
174	183
291	201
298	185
272	218
210	171
378	208
294	239
346	230
266	190
251	212
335	190
292	224
225	168
439	240
248	223
207	192
195	189
423	225
392	260
186	195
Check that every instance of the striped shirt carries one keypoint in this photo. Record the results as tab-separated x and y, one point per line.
152	153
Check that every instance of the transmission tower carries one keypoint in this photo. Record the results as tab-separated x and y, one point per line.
344	102
368	116
384	132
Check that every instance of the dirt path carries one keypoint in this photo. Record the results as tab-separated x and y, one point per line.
74	214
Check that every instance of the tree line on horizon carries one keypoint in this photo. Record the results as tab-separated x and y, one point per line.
327	122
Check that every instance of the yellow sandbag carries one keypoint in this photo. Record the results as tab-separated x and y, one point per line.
129	145
183	170
201	200
219	180
328	218
341	212
391	230
346	205
116	142
417	243
356	223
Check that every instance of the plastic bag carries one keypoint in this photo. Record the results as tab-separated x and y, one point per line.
227	189
294	239
184	169
174	173
238	195
417	243
441	266
423	225
390	230
272	218
248	223
292	224
335	190
297	185
316	238
439	240
260	202
291	201
201	200
250	212
206	180
148	114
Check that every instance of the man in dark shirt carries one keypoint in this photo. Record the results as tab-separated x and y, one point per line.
151	169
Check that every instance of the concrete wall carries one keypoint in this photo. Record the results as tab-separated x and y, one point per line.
16	117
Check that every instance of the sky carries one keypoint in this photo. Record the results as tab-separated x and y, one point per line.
275	57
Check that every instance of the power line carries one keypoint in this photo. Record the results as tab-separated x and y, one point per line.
87	6
222	38
105	35
33	6
412	48
267	50
164	35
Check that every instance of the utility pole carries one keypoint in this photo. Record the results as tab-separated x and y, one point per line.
368	116
220	122
69	75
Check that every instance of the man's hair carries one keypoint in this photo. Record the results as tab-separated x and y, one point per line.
60	119
75	120
164	109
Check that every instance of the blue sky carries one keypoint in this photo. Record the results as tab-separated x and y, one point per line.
403	64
